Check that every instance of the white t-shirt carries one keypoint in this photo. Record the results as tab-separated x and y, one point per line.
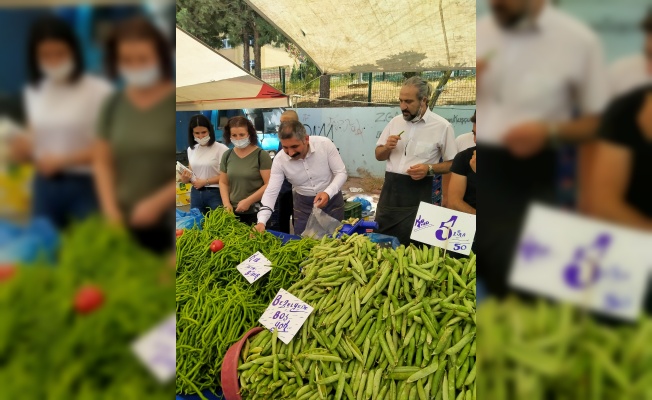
205	160
64	117
464	141
545	73
424	142
628	74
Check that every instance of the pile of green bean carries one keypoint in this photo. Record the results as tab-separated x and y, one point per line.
215	303
48	350
387	324
543	350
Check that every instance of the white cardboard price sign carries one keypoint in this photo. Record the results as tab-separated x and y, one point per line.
287	314
445	228
600	266
253	272
157	349
257	258
254	267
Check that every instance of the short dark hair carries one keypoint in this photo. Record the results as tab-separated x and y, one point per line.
200	120
292	129
239	122
52	28
646	24
138	28
473	117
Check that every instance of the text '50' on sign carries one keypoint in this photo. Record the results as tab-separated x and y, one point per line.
445	228
287	314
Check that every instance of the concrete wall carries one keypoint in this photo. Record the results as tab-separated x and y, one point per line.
355	130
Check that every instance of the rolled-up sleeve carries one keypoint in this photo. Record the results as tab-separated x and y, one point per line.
276	178
338	169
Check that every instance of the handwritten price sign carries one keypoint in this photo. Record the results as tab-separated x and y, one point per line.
590	263
287	314
157	349
445	228
254	267
253	272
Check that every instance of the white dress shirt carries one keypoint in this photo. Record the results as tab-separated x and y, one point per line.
205	160
63	117
321	171
464	141
423	142
544	72
628	74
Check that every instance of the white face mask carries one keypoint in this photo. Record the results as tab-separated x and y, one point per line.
241	144
58	73
141	78
203	141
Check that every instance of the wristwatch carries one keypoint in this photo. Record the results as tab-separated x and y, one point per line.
430	170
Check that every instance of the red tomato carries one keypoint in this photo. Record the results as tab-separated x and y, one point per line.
88	299
179	232
7	271
217	245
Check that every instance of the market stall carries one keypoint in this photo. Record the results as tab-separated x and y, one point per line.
416	305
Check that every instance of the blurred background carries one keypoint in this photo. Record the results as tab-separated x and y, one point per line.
565	217
86	209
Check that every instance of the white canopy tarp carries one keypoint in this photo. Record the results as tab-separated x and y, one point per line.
377	35
206	80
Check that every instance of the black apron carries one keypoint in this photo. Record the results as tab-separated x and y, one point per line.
399	203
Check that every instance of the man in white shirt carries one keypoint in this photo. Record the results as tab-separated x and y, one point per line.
632	72
412	144
316	171
541	79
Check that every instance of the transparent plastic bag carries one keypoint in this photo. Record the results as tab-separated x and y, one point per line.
320	224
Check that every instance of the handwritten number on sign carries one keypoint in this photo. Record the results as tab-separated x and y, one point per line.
449	229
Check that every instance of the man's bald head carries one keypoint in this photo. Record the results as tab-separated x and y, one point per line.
289	115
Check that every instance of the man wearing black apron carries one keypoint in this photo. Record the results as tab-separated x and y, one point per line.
412	144
316	171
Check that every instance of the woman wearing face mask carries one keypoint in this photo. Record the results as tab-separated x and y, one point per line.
135	183
245	170
62	104
204	156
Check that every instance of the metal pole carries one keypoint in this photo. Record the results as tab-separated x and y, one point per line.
283	79
369	91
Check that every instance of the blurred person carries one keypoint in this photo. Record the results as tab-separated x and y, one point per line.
462	142
244	170
316	171
634	71
412	144
462	196
62	104
285	204
136	128
622	169
204	158
541	80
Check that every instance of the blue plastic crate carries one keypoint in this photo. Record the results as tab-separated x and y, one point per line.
367	227
285	237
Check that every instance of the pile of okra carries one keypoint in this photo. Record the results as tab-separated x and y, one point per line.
387	324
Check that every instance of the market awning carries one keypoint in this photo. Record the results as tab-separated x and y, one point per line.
378	35
206	80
